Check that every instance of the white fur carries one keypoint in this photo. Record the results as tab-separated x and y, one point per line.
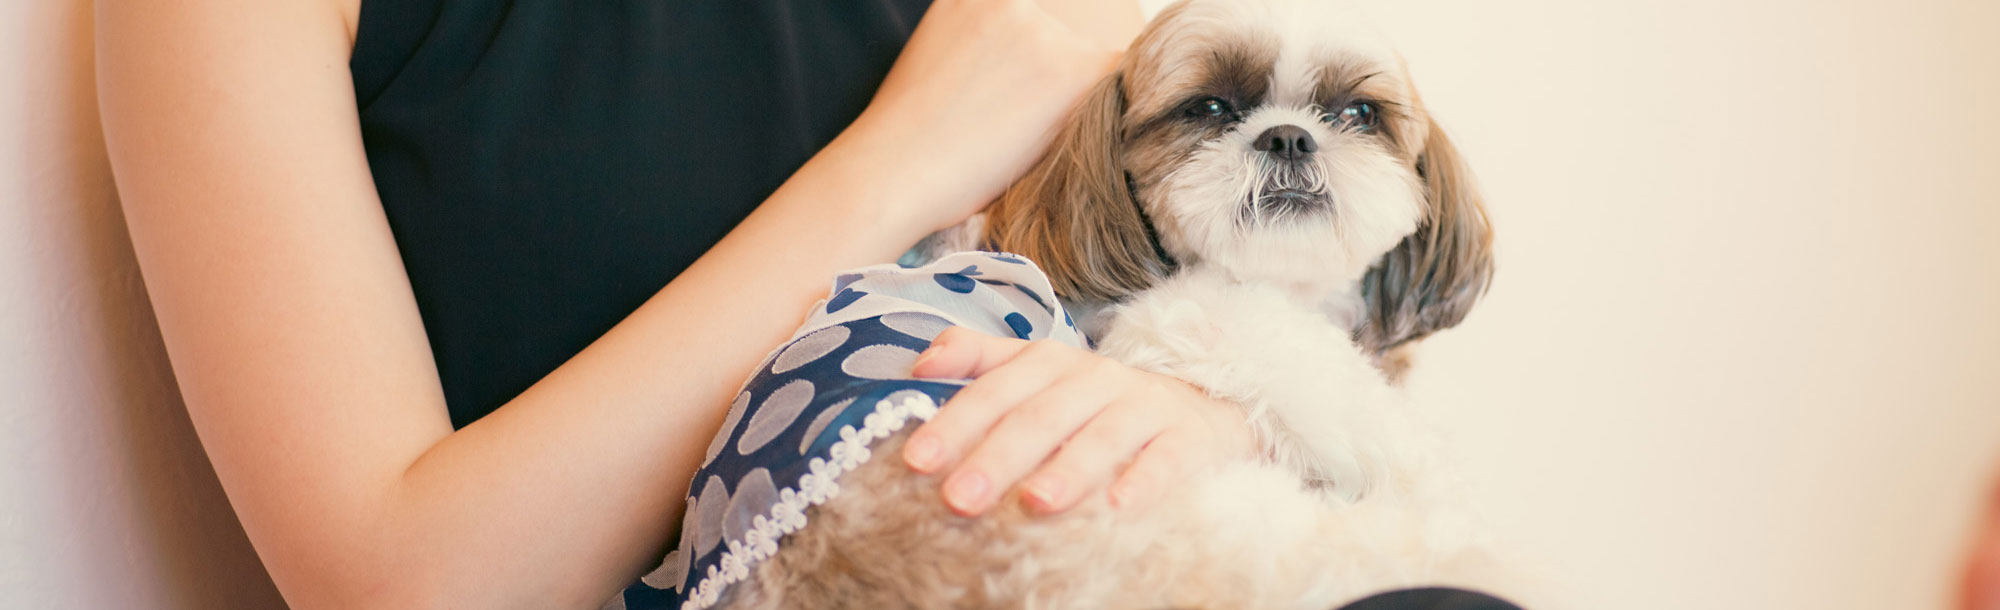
1350	497
1321	406
1376	200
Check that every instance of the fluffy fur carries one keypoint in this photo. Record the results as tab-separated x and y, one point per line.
1279	253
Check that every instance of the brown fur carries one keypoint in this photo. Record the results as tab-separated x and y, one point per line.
876	550
1242	536
1431	280
1073	212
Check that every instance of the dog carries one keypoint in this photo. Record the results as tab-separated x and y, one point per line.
1257	202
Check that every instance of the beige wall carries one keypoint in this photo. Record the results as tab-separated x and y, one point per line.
1744	347
105	498
1742	352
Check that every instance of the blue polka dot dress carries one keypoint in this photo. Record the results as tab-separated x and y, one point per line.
814	406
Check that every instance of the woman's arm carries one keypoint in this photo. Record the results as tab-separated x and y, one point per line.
303	361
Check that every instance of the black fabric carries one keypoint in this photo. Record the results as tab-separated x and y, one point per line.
1431	598
548	165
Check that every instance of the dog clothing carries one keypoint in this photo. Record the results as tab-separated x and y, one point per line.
816	403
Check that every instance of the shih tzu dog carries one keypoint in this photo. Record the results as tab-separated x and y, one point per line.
1258	203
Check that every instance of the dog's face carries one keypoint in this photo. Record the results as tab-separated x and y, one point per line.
1278	140
1275	140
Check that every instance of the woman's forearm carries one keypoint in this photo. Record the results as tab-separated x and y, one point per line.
549	486
967	108
298	346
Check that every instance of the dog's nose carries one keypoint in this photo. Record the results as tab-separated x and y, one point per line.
1288	142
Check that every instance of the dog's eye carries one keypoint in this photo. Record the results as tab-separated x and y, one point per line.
1359	114
1211	107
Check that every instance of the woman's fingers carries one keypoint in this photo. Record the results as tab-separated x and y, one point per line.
1068	417
939	443
1092	456
961	353
1166	460
1025	436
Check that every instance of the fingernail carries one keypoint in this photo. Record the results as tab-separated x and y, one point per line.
921	357
966	491
1044	490
921	453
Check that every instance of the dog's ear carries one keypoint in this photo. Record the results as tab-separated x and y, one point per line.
1073	212
1429	281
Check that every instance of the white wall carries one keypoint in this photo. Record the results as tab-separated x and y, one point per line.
1742	351
105	498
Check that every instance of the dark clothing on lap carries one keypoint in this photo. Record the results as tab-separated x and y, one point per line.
1431	598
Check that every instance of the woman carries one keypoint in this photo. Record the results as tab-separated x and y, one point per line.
432	313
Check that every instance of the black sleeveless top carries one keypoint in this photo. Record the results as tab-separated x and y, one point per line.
547	165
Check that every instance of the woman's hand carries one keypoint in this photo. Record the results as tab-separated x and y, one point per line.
977	95
1075	415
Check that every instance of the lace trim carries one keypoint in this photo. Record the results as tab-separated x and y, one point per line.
814	489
